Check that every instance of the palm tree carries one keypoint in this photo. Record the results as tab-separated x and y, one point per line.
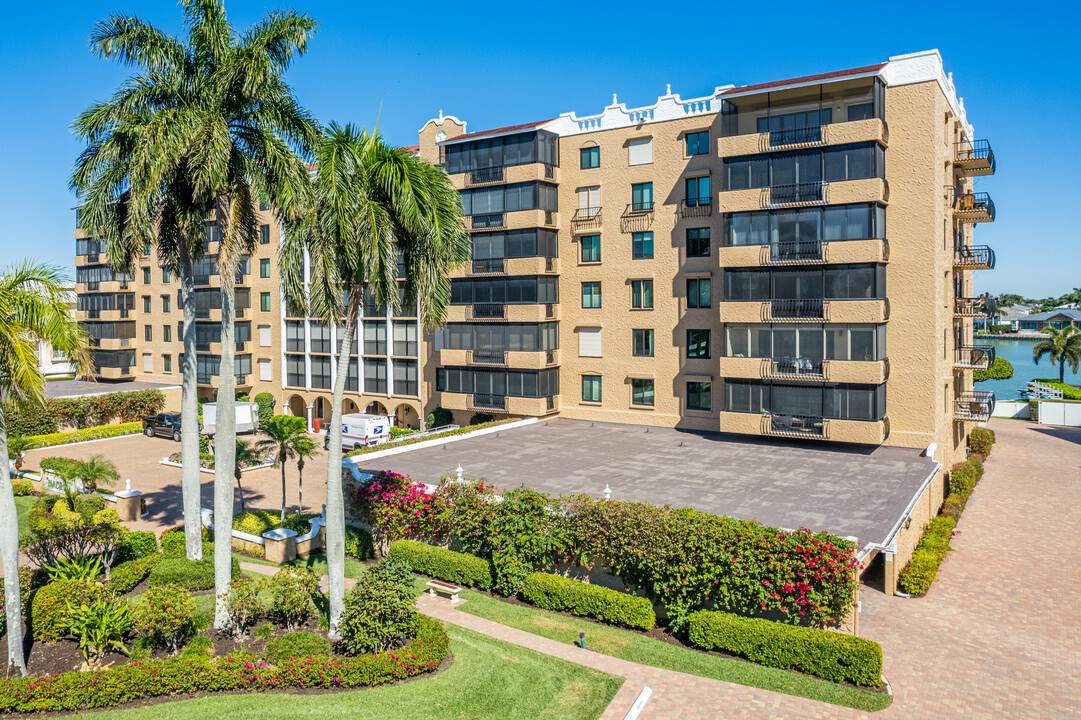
243	455
209	127
371	205
1062	346
287	436
33	306
305	448
97	472
17	445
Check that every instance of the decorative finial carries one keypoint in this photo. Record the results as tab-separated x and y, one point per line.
324	513
668	89
614	101
459	471
440	114
607	492
127	484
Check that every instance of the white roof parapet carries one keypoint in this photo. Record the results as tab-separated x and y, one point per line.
668	107
926	66
438	122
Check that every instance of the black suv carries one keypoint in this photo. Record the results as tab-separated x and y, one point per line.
163	425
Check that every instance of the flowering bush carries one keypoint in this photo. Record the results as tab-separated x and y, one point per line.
379	609
166	615
396	508
292	589
74	691
242	602
21	487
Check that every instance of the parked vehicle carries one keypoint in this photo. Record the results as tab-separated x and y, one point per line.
162	425
247	416
360	430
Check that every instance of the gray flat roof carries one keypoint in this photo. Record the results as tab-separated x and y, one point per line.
73	388
856	491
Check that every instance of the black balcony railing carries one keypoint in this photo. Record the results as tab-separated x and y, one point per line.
797	193
795	251
488	265
795	136
783	424
489	357
489	401
586	217
549	357
93	314
695	207
486	175
488	310
973	307
241	379
201	280
977	405
640	207
797	366
976	157
797	309
481	222
976	256
975	207
977	357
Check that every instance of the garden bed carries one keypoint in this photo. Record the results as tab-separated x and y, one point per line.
206	464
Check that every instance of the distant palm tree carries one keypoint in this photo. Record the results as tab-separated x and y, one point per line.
33	306
372	207
17	445
97	472
287	437
208	128
1062	346
306	448
243	456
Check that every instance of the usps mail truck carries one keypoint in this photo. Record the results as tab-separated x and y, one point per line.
361	430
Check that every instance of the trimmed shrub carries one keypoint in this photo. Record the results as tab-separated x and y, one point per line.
88	506
92	433
125	576
49	608
291	590
136	543
188	574
242	601
177	677
301	644
257	522
481	418
921	570
822	653
440	417
172	542
22	487
379	609
552	592
1001	369
359	543
443	564
265	401
166	615
980	441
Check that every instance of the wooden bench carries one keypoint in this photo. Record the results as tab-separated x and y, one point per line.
437	586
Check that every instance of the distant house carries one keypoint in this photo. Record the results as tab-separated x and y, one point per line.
1057	319
1011	315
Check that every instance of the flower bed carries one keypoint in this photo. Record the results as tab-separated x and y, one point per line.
92	433
206	462
238	672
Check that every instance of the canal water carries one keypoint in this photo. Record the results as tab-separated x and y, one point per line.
1019	353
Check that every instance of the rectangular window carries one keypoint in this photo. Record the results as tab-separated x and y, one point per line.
146	276
698	293
146	303
641	294
264	234
591	248
167	333
591	388
264	204
698	345
591	294
642	343
375	338
698	191
405	377
294	371
264	302
375	376
591	157
589	202
698	143
148	333
320	371
589	342
319	342
166	303
640	151
166	275
265	373
698	242
699	395
642	246
168	360
642	392
264	268
642	196
146	248
405	339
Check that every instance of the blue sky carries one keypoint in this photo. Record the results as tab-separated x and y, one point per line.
495	64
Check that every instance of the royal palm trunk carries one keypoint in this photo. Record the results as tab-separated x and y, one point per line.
225	446
191	488
9	551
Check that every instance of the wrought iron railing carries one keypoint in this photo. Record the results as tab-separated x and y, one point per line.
695	207
486	175
977	153
489	401
978	357
481	222
785	424
980	256
795	251
797	367
488	310
488	357
795	136
640	207
489	265
973	307
977	405
797	309
975	205
798	193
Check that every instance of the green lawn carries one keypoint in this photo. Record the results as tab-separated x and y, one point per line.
317	562
638	648
22	506
489	679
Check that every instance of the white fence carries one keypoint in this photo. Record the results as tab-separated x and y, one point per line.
1011	409
1060	413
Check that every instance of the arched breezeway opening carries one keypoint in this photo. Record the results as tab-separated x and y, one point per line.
406	416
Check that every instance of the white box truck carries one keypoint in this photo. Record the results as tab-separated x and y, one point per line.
359	430
247	417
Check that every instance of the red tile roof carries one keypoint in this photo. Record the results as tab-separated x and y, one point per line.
414	149
498	131
807	79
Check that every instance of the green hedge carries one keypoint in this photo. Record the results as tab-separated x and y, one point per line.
552	592
191	575
359	543
92	433
29	418
49	608
1001	369
124	577
981	440
237	672
1069	392
301	644
443	564
136	543
257	522
409	440
920	572
824	654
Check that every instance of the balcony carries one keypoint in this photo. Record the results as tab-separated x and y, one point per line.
485	176
798	194
488	357
795	252
488	311
809	427
976	257
976	405
783	425
487	401
637	217
794	368
804	253
585	218
973	307
488	266
974	158
838	133
974	208
804	309
484	222
695	207
977	357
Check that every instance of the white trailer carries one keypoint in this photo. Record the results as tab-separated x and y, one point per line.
359	430
247	417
